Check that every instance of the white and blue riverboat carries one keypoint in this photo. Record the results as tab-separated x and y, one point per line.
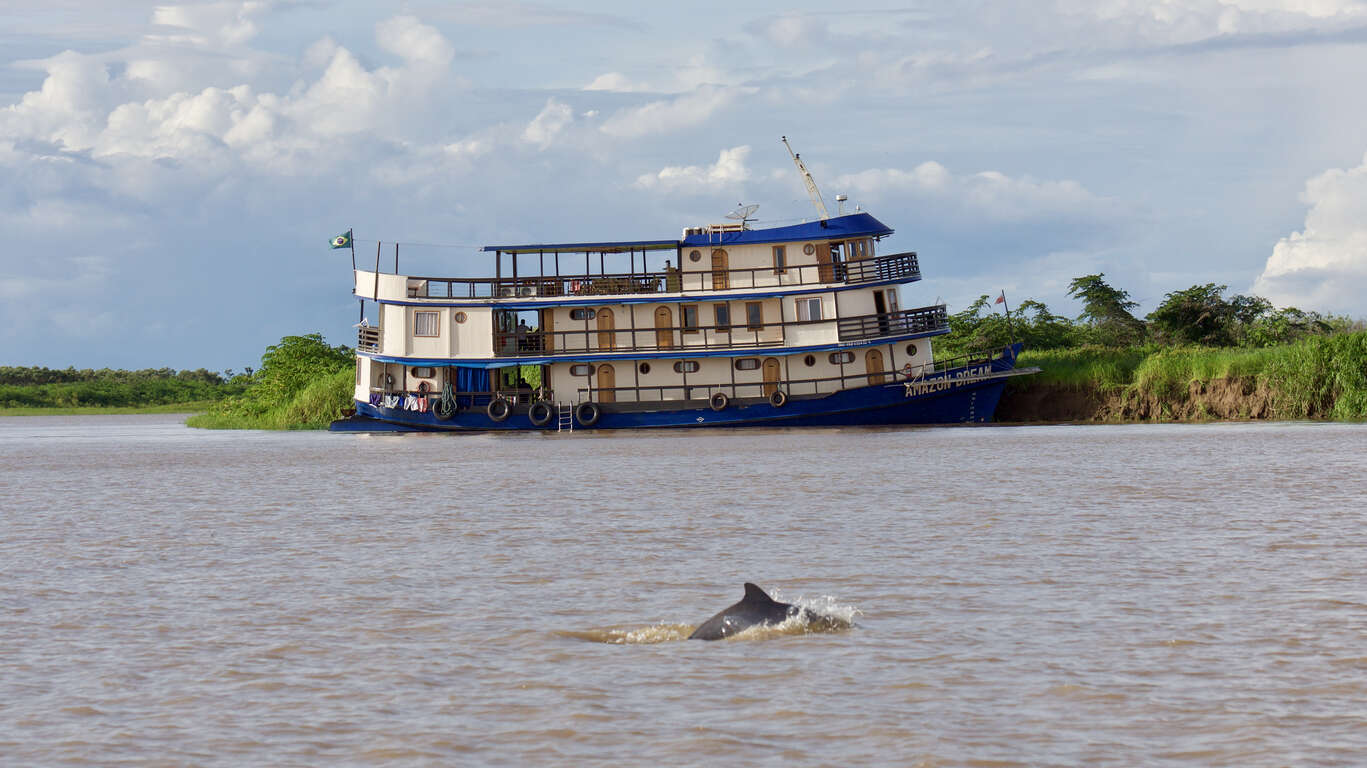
727	325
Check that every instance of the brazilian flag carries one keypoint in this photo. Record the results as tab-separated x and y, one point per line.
341	241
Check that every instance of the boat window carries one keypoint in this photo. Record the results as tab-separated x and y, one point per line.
754	315
911	350
780	260
460	317
422	373
809	249
686	366
644	368
838	358
722	313
582	314
747	364
581	370
425	324
808	309
689	317
694	255
809	360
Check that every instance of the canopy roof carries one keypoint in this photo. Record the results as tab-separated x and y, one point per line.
849	225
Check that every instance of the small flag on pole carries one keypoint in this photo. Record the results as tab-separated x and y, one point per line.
1000	299
342	240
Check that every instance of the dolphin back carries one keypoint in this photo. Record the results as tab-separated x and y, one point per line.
755	608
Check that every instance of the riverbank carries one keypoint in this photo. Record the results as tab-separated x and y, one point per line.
100	410
1318	378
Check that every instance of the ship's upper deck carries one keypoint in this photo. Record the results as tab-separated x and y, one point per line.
849	226
721	260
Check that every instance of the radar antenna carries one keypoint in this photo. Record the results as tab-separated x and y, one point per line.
743	213
812	191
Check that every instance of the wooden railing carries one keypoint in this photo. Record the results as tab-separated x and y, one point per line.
898	266
921	320
708	337
367	339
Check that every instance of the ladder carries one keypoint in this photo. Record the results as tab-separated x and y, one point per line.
565	414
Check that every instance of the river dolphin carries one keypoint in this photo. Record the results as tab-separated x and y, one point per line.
755	608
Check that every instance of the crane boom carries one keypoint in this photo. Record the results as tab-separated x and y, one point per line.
812	191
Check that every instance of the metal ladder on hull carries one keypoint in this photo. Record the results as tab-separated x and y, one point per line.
565	416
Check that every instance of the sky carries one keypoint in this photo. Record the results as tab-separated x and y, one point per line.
171	174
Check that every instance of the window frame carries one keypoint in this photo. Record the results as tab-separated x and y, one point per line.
780	259
754	315
802	305
684	311
721	314
422	317
747	367
683	366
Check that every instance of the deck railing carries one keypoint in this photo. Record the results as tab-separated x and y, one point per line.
367	339
898	266
709	337
921	320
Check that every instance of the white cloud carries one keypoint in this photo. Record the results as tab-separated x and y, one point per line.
989	193
222	23
669	115
1324	266
728	172
548	124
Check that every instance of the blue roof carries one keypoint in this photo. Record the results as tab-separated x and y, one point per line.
850	225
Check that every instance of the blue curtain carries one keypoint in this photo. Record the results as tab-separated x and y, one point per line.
470	380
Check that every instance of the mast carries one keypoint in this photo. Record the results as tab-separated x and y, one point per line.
812	191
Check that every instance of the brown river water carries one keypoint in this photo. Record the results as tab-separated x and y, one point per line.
1033	596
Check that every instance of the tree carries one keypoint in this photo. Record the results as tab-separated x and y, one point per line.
295	362
1198	315
1107	310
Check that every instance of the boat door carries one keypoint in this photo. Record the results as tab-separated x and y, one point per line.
607	380
606	337
664	328
771	375
824	272
837	263
720	277
873	361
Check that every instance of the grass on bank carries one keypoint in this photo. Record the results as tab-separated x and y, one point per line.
1319	377
194	406
318	404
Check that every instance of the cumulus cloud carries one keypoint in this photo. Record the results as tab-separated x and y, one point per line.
728	172
1324	266
548	124
988	193
669	115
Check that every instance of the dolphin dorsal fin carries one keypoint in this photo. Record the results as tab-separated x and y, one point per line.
755	595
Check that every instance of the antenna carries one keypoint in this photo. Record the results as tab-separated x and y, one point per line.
807	177
743	213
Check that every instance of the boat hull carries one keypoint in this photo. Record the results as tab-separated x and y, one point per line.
957	396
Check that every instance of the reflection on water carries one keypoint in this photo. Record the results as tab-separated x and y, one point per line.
1139	595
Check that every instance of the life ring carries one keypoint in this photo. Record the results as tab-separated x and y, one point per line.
777	398
718	401
499	409
424	387
587	413
539	414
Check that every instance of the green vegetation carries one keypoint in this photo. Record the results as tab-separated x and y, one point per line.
1200	315
303	383
1198	355
45	390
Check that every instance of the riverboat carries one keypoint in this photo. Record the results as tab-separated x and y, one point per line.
728	325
